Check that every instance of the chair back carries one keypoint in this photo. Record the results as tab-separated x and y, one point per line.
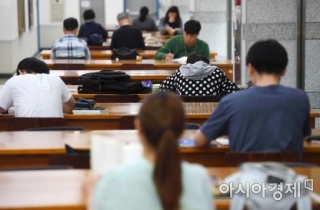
200	98
69	66
24	123
113	98
57	128
79	161
236	158
127	122
137	66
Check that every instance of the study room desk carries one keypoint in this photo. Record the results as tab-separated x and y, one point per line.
225	65
106	54
32	148
196	112
156	76
64	189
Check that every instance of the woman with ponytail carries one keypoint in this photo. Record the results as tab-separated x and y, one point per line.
160	180
143	22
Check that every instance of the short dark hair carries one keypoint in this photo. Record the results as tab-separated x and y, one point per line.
192	27
193	57
268	56
70	24
89	14
31	64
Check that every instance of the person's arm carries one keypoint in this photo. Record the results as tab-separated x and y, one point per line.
306	126
154	26
163	27
113	41
226	84
168	84
206	51
69	105
87	52
104	33
215	126
53	52
141	41
81	34
165	50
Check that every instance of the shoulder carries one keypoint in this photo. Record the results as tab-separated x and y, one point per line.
175	39
194	170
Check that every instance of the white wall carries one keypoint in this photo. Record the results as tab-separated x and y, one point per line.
12	47
50	31
112	9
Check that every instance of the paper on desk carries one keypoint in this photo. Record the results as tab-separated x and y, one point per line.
108	154
182	60
222	141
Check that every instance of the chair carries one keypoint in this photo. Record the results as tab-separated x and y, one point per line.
126	122
236	158
24	123
134	66
200	98
78	161
112	98
57	128
71	151
69	66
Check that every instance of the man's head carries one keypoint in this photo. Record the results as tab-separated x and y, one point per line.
191	32
32	66
70	26
89	15
267	57
123	19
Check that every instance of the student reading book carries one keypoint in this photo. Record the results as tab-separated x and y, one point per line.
159	179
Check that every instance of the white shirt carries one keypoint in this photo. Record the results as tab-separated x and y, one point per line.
35	95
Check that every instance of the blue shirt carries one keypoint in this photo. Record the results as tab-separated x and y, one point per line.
69	46
132	187
262	119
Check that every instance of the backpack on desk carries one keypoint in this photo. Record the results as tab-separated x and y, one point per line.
95	40
110	82
261	185
124	54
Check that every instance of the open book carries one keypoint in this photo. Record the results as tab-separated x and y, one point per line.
108	154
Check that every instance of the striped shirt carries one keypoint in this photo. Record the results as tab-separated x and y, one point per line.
70	46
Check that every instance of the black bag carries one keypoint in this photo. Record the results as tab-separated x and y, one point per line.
84	104
110	82
124	54
95	40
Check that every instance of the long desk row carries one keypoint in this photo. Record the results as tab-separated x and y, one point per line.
225	65
32	148
195	113
106	54
64	189
155	76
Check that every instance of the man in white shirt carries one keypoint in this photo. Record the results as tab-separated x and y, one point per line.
36	93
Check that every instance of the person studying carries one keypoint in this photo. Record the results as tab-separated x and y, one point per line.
182	45
160	179
267	117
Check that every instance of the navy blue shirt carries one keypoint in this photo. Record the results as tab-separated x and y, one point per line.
262	119
92	27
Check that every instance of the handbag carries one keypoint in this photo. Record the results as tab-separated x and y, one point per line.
124	53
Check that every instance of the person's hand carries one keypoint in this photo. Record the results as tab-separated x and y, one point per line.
169	56
170	30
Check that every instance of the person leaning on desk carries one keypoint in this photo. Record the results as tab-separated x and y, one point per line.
36	93
183	45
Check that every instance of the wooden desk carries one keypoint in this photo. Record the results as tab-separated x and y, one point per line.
156	76
63	189
225	65
196	112
32	148
106	54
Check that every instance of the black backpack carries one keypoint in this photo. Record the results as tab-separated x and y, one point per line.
110	82
95	39
124	54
